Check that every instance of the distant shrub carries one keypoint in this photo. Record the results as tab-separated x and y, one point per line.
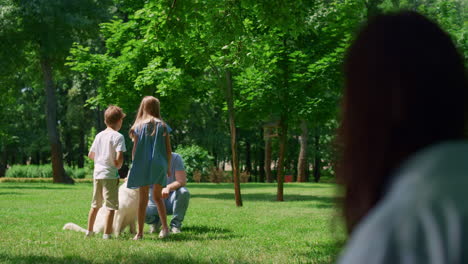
88	167
41	180
197	176
227	176
76	173
196	158
42	171
244	177
216	175
29	171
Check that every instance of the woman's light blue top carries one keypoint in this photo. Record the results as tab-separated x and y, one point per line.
423	218
149	164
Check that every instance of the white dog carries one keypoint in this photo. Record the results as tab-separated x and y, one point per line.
125	216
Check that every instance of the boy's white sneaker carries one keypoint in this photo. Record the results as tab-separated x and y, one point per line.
175	230
106	236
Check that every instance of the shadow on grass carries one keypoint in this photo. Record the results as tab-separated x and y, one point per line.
134	258
11	193
206	229
199	233
269	197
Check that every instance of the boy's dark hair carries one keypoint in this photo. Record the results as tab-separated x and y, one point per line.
113	114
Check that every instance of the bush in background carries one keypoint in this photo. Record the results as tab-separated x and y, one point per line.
198	159
216	175
29	171
76	173
40	180
197	176
244	177
41	171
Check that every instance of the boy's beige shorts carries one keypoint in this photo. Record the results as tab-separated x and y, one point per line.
107	190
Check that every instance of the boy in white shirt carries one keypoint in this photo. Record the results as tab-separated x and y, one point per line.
107	153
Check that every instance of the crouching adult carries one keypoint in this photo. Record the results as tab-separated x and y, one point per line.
176	198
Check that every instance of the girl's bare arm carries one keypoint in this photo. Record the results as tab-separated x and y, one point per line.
135	141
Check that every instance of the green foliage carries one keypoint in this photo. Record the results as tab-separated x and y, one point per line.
285	58
29	171
195	158
451	15
44	180
35	39
41	171
76	173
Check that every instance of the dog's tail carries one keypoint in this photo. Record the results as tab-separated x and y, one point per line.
74	227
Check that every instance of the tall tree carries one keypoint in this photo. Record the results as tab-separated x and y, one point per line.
232	126
170	49
268	153
47	29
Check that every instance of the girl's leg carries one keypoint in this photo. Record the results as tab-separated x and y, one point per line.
161	207
142	211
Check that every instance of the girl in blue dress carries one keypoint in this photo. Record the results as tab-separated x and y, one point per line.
151	157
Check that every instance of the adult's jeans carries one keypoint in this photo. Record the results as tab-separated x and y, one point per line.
176	205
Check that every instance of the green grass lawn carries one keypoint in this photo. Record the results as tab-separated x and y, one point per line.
303	229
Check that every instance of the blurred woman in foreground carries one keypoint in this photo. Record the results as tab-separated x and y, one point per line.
403	161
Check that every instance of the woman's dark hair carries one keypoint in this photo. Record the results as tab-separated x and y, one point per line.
405	89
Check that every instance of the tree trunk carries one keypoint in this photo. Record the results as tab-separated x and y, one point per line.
254	177
37	158
282	151
59	175
283	127
68	146
232	125
82	149
3	161
215	158
268	155
99	119
261	160
317	162
248	160
302	160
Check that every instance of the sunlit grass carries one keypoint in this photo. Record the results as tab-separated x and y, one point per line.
303	229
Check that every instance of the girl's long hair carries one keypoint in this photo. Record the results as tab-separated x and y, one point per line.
405	89
149	110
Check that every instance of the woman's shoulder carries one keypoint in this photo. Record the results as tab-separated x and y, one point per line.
424	205
405	230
